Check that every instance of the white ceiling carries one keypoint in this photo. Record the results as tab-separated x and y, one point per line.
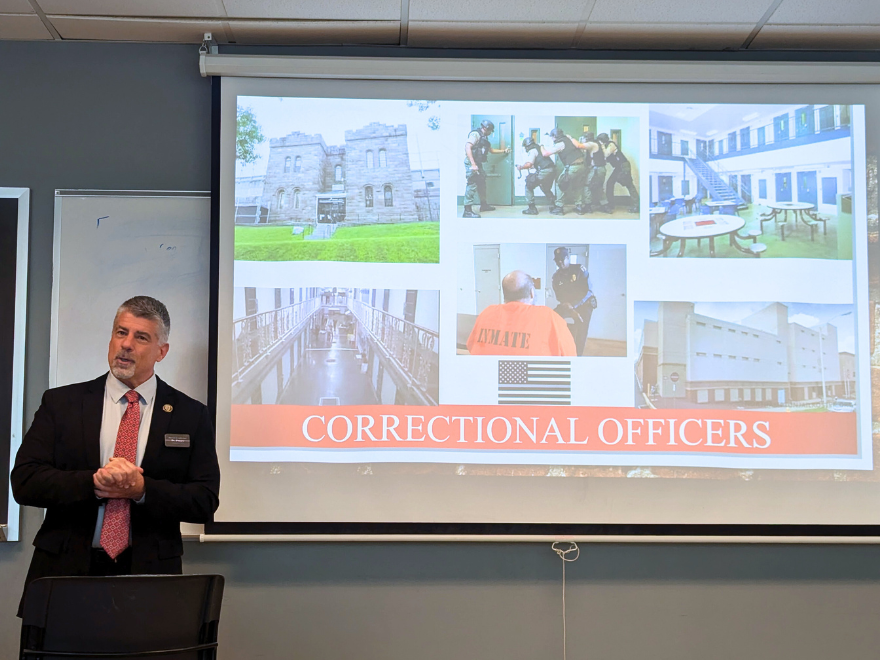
518	24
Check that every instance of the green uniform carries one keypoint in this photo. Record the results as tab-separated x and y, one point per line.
544	177
573	161
475	190
594	190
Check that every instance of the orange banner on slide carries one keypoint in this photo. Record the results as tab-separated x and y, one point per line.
540	428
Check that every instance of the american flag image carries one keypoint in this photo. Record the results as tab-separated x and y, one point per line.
535	382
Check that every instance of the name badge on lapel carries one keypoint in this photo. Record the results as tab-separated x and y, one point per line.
176	440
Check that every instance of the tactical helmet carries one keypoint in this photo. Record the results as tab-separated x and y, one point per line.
589	136
529	143
488	125
557	134
603	138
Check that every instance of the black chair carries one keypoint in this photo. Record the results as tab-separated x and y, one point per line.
174	617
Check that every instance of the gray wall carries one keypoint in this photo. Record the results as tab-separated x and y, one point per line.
138	117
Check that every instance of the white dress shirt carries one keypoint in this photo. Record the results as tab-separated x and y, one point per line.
115	405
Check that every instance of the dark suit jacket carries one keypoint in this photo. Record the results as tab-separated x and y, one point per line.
60	453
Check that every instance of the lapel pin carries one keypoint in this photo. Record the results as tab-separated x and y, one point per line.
167	407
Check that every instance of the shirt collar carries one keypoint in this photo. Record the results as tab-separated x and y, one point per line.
117	389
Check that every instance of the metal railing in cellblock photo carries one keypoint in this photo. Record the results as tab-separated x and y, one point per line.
413	348
800	123
254	335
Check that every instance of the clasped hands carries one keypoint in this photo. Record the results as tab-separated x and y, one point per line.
120	478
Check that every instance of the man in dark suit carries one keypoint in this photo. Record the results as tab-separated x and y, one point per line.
118	462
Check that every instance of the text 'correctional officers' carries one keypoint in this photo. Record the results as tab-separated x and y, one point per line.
518	326
118	462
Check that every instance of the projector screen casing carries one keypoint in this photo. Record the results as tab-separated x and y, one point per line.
638	506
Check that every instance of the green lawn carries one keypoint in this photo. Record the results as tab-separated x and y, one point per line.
411	242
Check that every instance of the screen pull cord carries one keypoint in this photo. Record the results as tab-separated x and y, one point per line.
558	548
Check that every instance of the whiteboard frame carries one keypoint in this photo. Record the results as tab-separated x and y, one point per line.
11	530
60	194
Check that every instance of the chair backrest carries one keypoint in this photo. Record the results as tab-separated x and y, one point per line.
705	210
728	209
130	615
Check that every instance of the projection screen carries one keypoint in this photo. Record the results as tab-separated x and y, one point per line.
459	302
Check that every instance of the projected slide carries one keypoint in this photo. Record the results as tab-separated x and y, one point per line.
452	287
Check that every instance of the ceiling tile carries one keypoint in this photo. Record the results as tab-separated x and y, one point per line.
664	36
145	8
352	10
818	37
513	11
135	29
315	32
15	7
685	12
23	26
490	35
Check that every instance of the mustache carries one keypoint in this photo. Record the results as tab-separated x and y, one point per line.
126	355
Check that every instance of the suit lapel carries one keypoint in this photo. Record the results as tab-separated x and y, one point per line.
158	423
93	414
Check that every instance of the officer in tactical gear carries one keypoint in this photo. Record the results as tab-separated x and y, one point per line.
571	181
594	190
476	152
622	172
542	178
571	286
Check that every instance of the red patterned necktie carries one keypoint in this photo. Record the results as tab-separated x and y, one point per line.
117	513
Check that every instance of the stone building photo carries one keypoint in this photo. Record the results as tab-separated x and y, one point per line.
324	175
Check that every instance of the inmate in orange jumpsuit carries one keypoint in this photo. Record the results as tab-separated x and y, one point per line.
517	328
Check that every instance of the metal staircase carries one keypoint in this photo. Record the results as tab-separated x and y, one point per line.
718	189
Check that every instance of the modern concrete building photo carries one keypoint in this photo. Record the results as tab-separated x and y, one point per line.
735	355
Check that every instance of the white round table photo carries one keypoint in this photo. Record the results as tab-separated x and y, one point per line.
798	209
698	227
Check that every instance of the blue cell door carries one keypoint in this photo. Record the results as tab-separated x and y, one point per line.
826	118
664	144
711	148
780	128
805	121
745	188
733	182
783	187
762	136
731	141
702	151
829	190
685	150
745	138
664	185
762	188
807	190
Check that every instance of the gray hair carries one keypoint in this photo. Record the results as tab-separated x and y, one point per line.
144	307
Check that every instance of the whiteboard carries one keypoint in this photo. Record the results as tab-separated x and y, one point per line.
110	246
